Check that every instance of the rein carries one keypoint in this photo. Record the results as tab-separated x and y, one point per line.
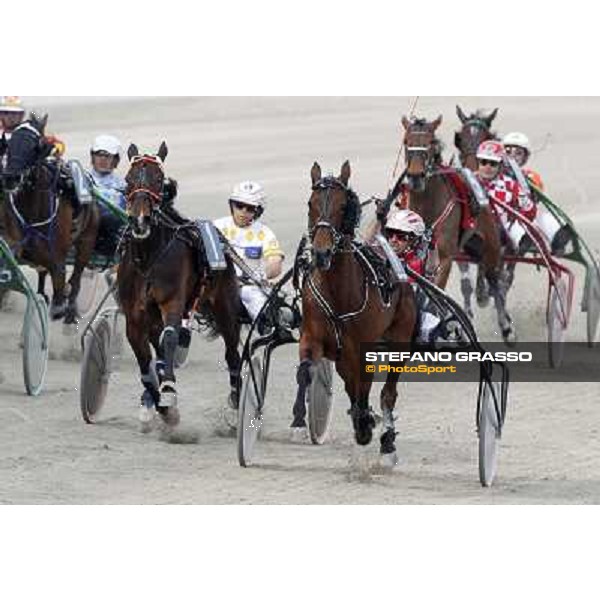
143	161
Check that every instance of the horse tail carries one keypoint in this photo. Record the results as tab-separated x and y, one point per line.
205	317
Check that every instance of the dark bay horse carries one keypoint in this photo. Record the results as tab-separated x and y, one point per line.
435	198
163	275
476	128
343	307
38	219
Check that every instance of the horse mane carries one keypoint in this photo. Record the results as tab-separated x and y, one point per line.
352	213
169	210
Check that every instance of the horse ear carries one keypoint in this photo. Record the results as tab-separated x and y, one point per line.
163	151
315	173
38	123
346	172
490	118
437	123
461	115
405	122
132	151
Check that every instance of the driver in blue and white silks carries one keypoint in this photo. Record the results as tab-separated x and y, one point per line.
253	241
105	155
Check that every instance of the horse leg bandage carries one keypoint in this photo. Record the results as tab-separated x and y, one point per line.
168	342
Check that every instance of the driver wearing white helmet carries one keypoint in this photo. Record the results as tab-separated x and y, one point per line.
12	114
405	230
518	147
105	155
253	241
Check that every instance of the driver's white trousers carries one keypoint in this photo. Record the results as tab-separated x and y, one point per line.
253	299
547	222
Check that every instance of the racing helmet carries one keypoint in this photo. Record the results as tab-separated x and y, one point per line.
491	150
109	144
406	221
11	104
250	193
12	112
520	140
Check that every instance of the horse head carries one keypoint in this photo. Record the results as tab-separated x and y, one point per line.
334	213
145	181
25	149
476	129
420	146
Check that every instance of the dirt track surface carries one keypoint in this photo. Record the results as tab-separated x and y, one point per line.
551	446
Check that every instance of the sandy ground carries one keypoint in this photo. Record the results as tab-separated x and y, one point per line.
551	446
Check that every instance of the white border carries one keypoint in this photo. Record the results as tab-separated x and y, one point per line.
308	48
303	48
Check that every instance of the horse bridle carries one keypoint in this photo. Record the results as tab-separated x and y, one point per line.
324	187
471	150
25	174
143	189
426	152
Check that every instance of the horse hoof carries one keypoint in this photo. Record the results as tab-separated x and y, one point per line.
483	301
70	317
469	312
364	423
168	395
298	435
57	312
510	338
390	460
146	418
364	436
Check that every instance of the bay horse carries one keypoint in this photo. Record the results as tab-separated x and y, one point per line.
38	218
342	307
433	195
163	275
476	128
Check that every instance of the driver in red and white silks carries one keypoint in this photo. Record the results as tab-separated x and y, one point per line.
504	188
405	232
253	241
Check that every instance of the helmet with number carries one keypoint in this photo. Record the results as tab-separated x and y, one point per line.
491	150
107	143
250	193
520	140
406	221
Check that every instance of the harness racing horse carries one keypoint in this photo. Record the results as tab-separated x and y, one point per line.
38	219
344	307
434	196
476	129
163	275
